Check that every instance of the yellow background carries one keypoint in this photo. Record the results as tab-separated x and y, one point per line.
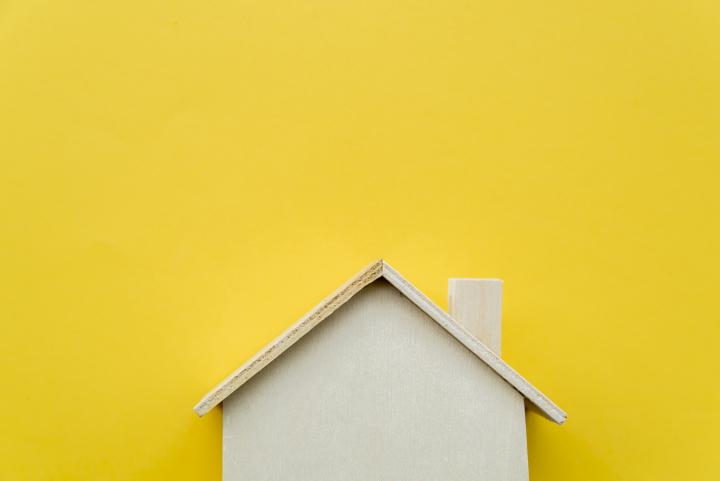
182	180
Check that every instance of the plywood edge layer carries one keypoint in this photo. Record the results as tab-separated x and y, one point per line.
293	334
331	303
546	406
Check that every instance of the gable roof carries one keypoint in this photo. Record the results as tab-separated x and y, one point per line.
323	310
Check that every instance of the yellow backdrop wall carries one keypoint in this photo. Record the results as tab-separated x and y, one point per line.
167	167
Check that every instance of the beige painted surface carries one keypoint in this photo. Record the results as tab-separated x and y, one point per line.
377	392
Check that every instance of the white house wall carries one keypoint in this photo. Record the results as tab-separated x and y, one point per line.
377	392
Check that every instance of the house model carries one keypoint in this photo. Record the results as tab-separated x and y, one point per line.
377	383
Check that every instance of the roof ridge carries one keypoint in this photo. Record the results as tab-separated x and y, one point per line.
375	270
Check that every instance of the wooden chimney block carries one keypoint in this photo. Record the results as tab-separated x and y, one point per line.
477	305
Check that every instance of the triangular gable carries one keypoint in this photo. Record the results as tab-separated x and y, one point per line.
323	310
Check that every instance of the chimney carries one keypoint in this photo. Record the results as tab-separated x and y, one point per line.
477	305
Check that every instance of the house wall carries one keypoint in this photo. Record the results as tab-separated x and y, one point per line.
376	392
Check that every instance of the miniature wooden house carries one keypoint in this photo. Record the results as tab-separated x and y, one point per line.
377	383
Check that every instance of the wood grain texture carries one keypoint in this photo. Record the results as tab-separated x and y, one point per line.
377	391
477	305
374	271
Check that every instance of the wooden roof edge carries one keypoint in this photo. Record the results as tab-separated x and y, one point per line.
291	335
497	364
340	296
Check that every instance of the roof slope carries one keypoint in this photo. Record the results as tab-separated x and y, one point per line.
374	271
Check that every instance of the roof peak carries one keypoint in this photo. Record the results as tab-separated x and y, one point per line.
375	270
